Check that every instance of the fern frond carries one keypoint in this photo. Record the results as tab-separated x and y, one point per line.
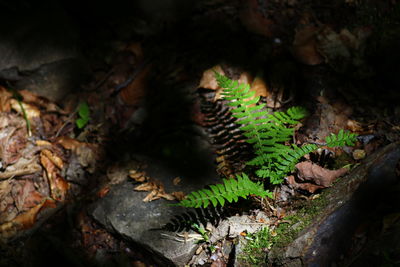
341	139
230	190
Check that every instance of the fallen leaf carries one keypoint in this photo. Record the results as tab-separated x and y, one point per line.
146	186
305	45
23	221
136	49
176	180
87	153
208	80
253	19
103	192
31	111
54	158
153	195
308	171
359	154
134	92
178	195
303	186
260	87
165	195
58	186
138	176
42	143
39	101
5	97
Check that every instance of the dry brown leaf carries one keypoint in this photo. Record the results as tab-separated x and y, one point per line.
40	101
208	80
42	143
134	92
176	181
354	126
24	220
359	154
253	19
54	158
5	97
303	186
31	111
69	143
308	171
178	195
260	87
58	186
136	49
138	176
146	186
153	195
305	45
87	153
165	195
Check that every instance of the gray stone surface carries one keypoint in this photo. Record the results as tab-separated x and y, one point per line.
123	211
40	50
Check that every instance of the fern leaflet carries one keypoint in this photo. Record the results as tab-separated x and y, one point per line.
230	190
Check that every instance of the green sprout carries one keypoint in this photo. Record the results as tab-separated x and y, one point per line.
84	115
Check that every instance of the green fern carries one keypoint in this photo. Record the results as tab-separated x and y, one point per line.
341	139
230	190
268	134
265	131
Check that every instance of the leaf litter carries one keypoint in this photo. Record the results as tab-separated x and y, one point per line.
31	179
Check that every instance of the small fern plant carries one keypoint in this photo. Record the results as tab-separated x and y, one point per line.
268	133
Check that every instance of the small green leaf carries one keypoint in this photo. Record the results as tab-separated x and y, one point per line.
83	110
81	123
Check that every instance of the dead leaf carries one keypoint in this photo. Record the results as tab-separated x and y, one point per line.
146	186
31	111
134	92
151	196
260	87
178	195
252	18
308	171
165	195
303	186
54	158
305	45
136	49
24	220
58	186
42	143
176	180
103	192
138	176
359	154
87	153
5	97
208	80
69	143
39	101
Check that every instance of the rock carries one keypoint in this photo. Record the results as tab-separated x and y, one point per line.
39	48
348	205
55	80
123	211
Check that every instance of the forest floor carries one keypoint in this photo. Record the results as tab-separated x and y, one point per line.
152	93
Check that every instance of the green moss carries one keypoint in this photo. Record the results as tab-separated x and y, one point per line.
298	221
254	251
